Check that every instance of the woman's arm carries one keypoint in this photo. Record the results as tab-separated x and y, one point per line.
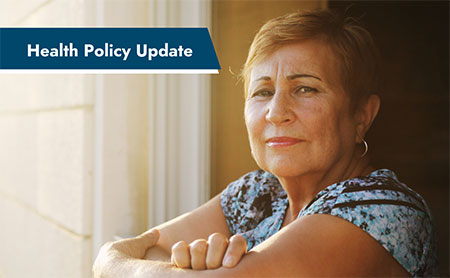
197	224
315	245
125	258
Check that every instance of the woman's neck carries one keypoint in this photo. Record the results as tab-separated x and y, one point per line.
302	189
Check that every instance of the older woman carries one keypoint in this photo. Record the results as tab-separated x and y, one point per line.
317	207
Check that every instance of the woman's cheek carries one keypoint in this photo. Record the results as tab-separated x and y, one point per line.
254	117
255	122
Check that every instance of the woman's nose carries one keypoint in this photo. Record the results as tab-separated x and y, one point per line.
279	110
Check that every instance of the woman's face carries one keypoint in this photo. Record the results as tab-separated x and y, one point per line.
297	113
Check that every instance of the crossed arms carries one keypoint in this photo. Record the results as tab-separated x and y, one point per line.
315	245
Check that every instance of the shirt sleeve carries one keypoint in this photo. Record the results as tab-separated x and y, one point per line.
394	215
235	200
248	200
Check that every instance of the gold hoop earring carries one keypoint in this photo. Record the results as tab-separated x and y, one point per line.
366	148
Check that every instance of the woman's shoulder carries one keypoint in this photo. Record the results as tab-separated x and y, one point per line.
391	212
380	187
253	184
250	199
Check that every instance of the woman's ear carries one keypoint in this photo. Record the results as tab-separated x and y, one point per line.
366	115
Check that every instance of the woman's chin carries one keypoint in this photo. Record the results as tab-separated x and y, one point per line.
281	164
286	170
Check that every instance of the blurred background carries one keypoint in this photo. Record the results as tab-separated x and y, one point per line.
86	159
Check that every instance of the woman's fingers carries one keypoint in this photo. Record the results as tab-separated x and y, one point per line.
136	247
149	238
111	253
217	251
236	249
198	250
217	245
180	255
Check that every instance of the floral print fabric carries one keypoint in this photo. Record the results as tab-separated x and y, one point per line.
392	213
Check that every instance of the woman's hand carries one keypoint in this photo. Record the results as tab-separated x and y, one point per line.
217	251
114	257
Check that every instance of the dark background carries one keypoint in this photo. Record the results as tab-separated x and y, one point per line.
411	132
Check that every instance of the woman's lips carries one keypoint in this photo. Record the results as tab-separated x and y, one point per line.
282	141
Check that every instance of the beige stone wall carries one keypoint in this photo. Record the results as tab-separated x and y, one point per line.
46	161
48	149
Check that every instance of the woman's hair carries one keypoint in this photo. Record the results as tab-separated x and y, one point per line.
353	46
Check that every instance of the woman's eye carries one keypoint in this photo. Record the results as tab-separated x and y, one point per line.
262	93
305	89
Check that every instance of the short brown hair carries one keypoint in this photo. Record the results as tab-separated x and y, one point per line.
352	44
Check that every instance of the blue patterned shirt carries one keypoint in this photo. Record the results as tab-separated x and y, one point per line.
388	210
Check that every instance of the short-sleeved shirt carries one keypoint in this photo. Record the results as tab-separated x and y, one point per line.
388	210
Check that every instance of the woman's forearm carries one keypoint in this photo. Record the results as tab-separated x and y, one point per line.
124	258
157	253
116	264
150	269
133	268
116	260
135	257
121	259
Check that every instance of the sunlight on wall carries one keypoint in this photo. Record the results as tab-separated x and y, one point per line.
46	131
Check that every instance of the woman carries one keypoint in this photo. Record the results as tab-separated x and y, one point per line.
317	208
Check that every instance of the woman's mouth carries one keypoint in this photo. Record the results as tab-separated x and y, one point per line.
283	141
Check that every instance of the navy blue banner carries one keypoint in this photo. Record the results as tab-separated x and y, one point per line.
107	48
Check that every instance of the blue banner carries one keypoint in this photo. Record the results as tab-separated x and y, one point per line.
107	48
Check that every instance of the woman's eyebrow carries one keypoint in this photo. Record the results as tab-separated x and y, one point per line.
266	78
290	77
